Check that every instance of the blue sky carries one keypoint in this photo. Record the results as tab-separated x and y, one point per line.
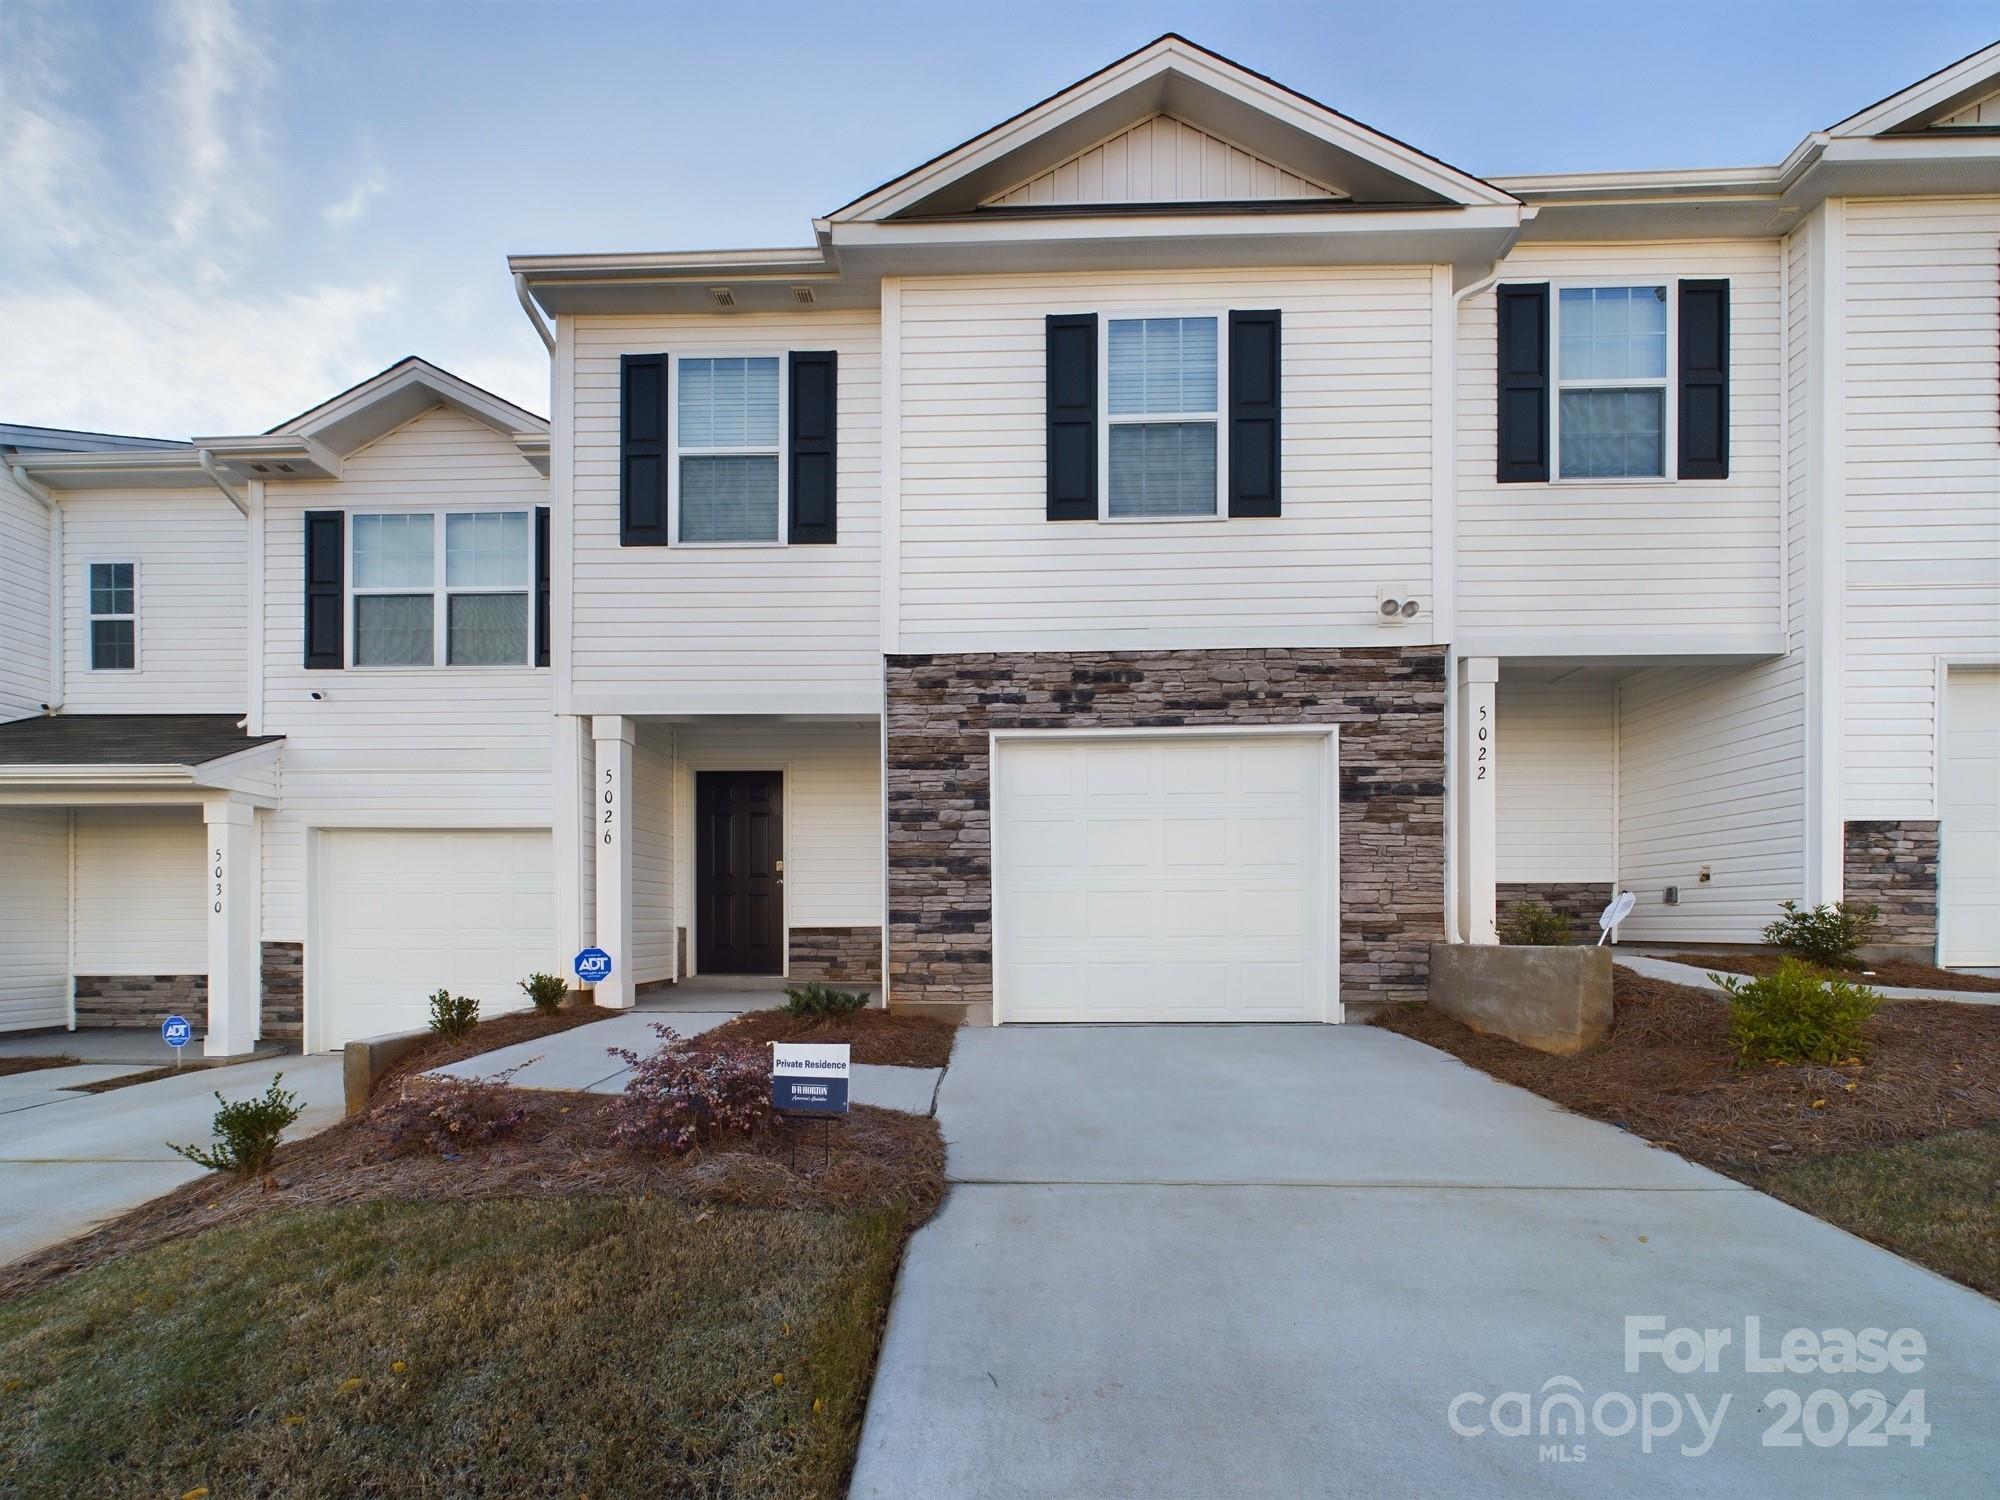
216	213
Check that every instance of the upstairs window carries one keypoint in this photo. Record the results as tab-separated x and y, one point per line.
728	481
114	617
1612	370
451	587
1163	392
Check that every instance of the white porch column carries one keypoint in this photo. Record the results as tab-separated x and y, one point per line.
610	830
1478	808
567	821
235	988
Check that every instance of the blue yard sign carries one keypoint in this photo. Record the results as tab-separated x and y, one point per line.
176	1032
592	965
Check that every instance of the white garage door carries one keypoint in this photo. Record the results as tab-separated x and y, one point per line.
1970	792
404	912
1164	879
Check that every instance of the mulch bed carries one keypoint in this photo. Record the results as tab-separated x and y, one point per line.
886	1037
9	1065
1897	973
878	1158
490	1036
1667	1072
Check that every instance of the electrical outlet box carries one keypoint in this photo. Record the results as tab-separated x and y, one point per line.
1673	896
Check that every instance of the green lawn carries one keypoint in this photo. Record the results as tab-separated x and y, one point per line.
1936	1201
503	1347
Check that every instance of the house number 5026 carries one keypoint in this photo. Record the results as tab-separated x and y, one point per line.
218	881
610	802
1484	734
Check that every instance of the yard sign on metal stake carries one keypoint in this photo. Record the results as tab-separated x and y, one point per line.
1619	909
810	1079
176	1033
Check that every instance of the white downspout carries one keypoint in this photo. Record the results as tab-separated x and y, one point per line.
58	682
528	306
207	461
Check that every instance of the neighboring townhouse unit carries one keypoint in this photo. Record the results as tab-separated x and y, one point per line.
1175	556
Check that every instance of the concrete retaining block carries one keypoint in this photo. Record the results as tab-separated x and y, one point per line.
1553	999
370	1057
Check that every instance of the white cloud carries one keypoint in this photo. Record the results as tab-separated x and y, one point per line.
213	95
50	161
350	208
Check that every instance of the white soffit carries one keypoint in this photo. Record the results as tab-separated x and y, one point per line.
377	406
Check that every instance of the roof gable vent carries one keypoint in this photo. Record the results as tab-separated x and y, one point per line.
723	296
803	295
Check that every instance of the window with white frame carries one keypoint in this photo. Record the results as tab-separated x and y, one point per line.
1162	403
728	479
114	617
442	586
1611	382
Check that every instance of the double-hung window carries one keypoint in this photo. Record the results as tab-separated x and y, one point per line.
114	617
1612	371
728	481
442	586
1163	404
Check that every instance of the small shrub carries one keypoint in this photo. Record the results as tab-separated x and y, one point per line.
680	1099
246	1132
1827	935
450	1114
1794	1016
452	1016
1532	925
547	991
816	999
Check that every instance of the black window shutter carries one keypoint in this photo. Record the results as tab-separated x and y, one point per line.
642	450
815	391
1704	394
326	569
1072	411
541	585
1254	361
1524	384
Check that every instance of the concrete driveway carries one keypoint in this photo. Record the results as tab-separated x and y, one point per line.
1206	1261
69	1161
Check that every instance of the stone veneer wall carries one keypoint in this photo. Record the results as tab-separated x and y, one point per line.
1895	865
284	1004
1388	703
1582	901
837	955
140	999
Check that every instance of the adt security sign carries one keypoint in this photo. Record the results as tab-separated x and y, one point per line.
809	1078
176	1032
592	965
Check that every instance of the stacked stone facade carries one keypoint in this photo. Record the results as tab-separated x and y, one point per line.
140	999
837	955
1388	705
1895	865
284	974
1582	901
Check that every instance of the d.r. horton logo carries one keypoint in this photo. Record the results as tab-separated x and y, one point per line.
1563	1419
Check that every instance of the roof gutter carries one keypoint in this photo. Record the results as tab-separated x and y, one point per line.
58	681
206	458
528	306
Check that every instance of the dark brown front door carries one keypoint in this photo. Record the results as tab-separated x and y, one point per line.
739	853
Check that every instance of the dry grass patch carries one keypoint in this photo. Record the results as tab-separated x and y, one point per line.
886	1037
517	1347
11	1065
1897	973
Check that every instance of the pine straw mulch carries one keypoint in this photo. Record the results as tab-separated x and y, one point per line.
489	1036
878	1158
10	1065
1667	1073
884	1037
1897	973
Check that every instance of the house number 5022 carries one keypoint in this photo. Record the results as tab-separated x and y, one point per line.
218	881
610	803
1485	735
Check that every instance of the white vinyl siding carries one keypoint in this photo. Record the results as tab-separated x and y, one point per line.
653	918
140	884
395	747
24	602
717	629
1161	160
1922	484
191	555
1678	563
1711	772
1556	781
982	568
34	918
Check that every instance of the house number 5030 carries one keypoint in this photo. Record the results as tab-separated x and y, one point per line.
610	803
218	881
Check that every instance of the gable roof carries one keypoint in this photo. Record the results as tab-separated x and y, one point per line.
1174	76
1928	102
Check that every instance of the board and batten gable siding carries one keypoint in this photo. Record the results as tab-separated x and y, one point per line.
1711	771
24	603
407	747
1575	558
983	569
192	553
1556	781
1922	483
708	629
34	918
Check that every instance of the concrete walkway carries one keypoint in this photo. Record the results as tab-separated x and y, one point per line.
1678	973
69	1161
1205	1261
